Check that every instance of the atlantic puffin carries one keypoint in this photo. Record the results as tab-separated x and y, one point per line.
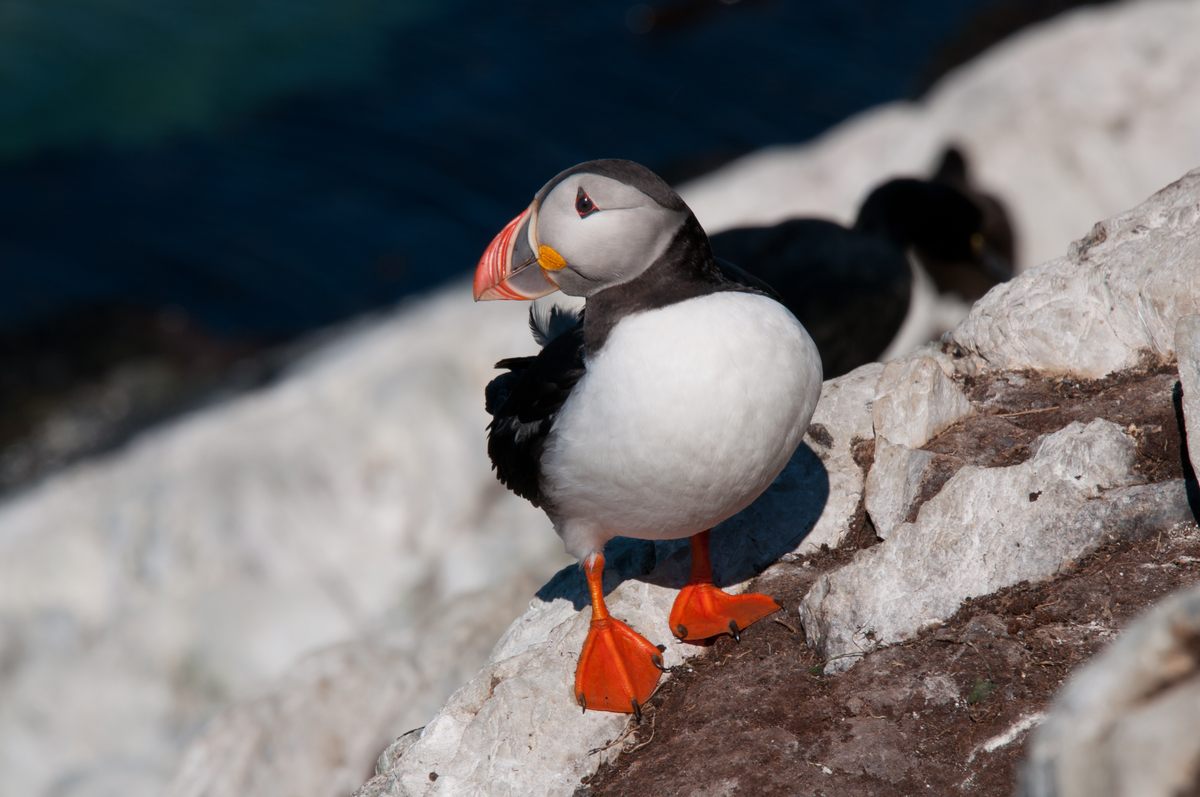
667	406
919	253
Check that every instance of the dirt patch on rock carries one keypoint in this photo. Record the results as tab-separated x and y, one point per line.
930	716
1014	409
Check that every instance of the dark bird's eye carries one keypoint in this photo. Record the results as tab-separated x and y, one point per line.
584	205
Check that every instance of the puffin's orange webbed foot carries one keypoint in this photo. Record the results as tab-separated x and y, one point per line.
702	611
618	668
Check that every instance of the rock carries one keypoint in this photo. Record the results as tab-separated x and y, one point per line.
391	754
148	589
893	484
317	727
983	532
515	728
193	568
1125	723
914	400
313	731
1114	299
484	738
1187	348
842	419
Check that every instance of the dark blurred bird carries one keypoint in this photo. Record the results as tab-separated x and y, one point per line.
919	254
668	405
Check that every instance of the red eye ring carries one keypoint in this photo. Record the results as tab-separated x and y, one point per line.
584	205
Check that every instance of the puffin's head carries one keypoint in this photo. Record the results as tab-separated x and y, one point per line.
596	225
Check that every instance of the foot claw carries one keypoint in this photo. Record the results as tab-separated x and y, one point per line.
702	611
637	710
618	668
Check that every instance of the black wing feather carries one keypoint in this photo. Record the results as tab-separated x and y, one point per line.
524	403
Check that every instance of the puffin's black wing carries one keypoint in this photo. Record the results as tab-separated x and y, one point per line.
523	404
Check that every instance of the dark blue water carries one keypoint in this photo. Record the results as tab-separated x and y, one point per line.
312	167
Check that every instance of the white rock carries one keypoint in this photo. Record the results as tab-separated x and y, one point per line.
988	528
1116	297
315	728
515	729
893	483
1126	723
843	417
915	400
144	591
318	726
1187	348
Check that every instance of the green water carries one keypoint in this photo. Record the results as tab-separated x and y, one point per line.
125	72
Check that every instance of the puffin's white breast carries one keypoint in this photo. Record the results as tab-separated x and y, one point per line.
685	415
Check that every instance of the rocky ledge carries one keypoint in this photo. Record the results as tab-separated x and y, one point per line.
943	536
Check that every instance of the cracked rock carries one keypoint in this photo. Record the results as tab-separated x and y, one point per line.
982	533
1114	298
915	400
894	484
843	416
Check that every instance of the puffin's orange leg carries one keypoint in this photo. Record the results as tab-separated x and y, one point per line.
618	667
701	610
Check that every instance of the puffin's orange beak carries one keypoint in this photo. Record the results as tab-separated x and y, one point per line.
509	267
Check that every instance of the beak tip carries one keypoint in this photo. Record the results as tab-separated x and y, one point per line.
483	283
496	276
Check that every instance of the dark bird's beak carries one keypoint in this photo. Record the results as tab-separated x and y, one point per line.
509	268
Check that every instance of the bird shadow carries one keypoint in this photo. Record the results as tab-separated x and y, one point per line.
742	547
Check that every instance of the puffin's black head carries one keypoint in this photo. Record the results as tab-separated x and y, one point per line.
960	235
929	216
593	226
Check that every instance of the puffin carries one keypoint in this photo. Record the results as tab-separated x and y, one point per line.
668	405
918	255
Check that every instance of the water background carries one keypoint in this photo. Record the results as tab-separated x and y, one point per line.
266	167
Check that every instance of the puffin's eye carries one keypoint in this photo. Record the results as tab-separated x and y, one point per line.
584	205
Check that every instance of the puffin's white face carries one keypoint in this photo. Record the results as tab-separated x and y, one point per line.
585	233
